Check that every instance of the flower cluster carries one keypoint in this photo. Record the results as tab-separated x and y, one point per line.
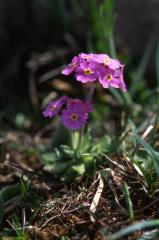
86	68
92	67
73	112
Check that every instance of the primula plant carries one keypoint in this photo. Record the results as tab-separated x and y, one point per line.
71	161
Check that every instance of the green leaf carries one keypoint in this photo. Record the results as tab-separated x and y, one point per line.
139	74
80	169
87	158
67	151
132	228
86	141
157	65
1	210
6	194
128	201
102	145
150	235
50	157
139	168
57	167
154	155
152	137
9	192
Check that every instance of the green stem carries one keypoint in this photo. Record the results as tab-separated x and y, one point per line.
91	92
89	99
72	140
75	136
81	133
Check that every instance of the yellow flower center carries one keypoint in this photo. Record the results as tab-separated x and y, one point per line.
52	108
74	117
109	77
87	71
87	57
106	61
73	65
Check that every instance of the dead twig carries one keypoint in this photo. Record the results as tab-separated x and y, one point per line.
146	207
111	185
58	215
96	198
116	164
29	173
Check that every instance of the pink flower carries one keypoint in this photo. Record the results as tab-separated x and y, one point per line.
54	107
91	67
75	115
88	57
122	83
73	112
106	61
87	72
110	78
72	66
